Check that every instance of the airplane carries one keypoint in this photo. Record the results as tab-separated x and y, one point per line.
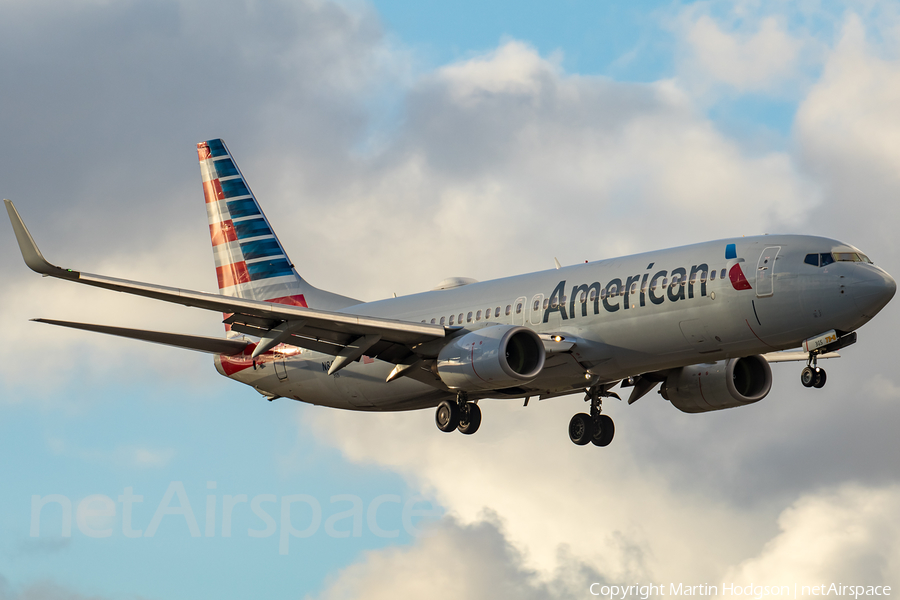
696	320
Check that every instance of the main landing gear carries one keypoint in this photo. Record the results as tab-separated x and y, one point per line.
811	375
594	428
460	414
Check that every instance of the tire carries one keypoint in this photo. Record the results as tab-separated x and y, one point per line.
807	377
471	420
446	417
820	379
604	430
581	428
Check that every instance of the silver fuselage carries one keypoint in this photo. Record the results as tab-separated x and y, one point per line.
624	319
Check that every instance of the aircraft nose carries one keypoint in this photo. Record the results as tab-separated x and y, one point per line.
873	291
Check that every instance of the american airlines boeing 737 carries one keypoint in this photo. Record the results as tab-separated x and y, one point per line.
703	322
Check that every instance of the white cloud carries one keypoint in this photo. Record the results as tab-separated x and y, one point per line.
606	508
847	130
454	561
129	456
760	61
851	535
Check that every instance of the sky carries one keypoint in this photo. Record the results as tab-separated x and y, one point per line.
393	146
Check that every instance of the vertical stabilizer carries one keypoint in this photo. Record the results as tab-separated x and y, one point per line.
250	260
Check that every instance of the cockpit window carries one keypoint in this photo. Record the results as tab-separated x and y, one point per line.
826	258
851	257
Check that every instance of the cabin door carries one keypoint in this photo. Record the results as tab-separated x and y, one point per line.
765	272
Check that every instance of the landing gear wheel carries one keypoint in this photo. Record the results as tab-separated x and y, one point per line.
604	430
447	416
808	377
820	378
469	419
581	428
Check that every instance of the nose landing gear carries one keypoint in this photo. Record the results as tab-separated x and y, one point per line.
594	428
811	375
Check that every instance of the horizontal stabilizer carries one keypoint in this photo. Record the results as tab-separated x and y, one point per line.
199	343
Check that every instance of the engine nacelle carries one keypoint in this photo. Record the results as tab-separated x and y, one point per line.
724	384
492	358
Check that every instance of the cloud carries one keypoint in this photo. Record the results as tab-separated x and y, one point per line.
502	138
105	104
130	456
43	590
847	130
849	535
844	536
760	61
611	511
497	164
453	560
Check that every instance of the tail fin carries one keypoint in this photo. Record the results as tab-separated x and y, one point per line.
250	261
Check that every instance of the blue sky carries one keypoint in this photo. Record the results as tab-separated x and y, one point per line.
370	132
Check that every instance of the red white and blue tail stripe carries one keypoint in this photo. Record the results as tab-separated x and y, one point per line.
250	261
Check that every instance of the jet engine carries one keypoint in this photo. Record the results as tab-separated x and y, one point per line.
714	386
492	358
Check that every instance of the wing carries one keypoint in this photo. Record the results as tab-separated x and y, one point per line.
345	336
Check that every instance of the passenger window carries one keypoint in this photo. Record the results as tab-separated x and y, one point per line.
478	316
634	288
583	297
562	300
555	302
432	321
497	312
593	295
508	309
537	305
459	320
722	274
487	313
712	276
546	303
469	317
442	320
452	318
665	282
812	259
519	308
603	294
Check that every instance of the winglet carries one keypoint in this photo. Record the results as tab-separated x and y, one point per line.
30	252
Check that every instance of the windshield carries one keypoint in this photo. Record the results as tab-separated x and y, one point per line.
826	258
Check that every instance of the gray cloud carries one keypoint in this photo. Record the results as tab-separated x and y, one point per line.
494	166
